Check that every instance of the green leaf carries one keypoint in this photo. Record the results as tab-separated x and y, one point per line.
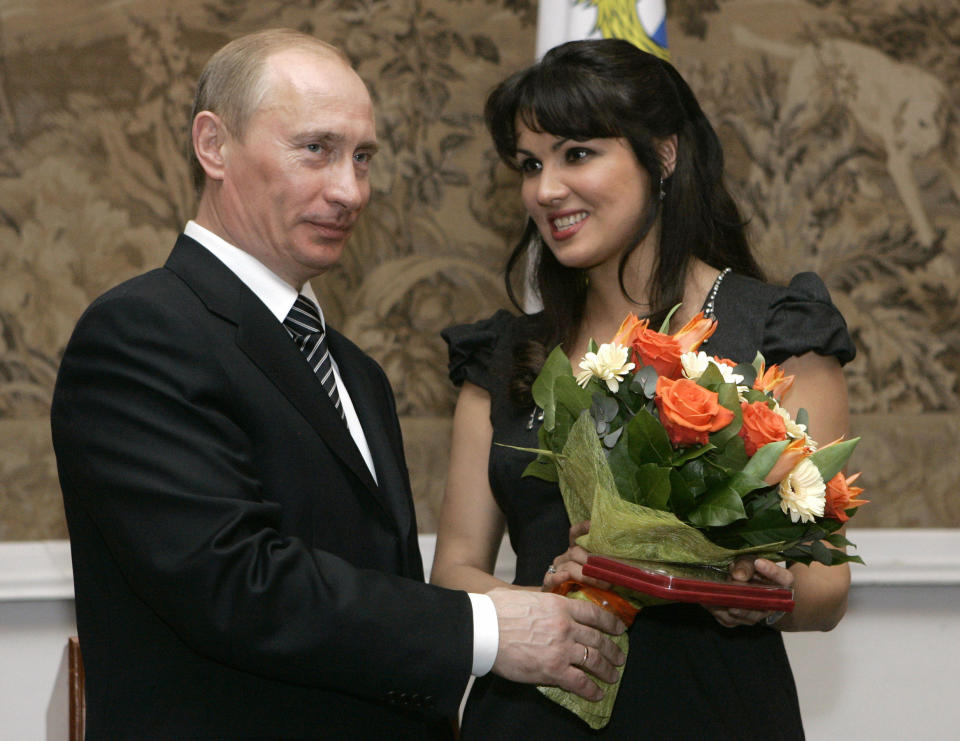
544	466
568	393
842	557
570	402
682	456
816	551
769	526
711	378
728	398
563	421
653	486
665	327
693	474
802	418
629	400
645	382
683	492
610	439
647	440
821	553
753	395
731	458
829	525
837	540
761	500
604	410
542	469
831	459
749	373
623	466
765	458
717	508
556	365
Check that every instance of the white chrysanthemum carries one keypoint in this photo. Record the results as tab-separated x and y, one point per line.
803	493
794	429
696	363
608	363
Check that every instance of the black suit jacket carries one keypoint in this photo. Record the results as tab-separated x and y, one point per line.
237	570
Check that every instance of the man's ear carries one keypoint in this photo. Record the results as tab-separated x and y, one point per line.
667	151
209	139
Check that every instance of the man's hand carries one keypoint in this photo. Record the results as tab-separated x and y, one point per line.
548	639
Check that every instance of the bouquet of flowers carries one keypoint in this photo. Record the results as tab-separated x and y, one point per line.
680	458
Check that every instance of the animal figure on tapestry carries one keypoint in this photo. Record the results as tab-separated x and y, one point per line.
903	108
641	22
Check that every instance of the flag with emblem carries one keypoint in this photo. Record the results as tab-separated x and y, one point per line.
641	22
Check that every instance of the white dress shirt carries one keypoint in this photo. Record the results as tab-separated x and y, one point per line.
279	296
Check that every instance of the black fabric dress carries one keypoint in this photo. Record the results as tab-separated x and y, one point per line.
686	676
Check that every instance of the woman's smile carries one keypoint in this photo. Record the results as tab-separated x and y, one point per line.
564	225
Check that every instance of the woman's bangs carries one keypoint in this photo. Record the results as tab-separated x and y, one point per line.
568	106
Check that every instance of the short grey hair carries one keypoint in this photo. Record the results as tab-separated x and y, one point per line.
233	84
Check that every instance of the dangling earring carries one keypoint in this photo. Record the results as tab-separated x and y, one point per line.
663	193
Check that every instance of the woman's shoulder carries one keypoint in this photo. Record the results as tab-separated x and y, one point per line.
783	320
806	286
476	348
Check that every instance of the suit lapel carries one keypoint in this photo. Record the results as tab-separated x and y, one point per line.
262	338
375	411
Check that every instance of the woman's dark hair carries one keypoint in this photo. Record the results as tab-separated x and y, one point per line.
610	89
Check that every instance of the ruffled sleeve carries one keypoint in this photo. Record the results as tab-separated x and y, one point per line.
803	319
472	348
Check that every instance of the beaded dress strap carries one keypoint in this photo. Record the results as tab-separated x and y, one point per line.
709	306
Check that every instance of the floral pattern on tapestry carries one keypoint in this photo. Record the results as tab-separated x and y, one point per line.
839	119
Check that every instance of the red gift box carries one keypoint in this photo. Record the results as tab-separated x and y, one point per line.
681	583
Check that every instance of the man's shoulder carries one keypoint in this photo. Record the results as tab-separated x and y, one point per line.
346	350
158	286
189	268
146	305
144	283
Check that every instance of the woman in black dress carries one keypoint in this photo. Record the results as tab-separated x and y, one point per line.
622	179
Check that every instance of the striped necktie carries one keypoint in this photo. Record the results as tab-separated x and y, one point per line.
304	325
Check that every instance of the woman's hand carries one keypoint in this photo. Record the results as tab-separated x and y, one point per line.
747	569
569	564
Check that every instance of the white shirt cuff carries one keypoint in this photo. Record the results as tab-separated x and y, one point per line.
486	634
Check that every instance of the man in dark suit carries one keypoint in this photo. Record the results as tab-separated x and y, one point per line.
243	537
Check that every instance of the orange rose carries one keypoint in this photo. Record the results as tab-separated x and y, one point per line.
841	497
689	412
761	425
663	351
